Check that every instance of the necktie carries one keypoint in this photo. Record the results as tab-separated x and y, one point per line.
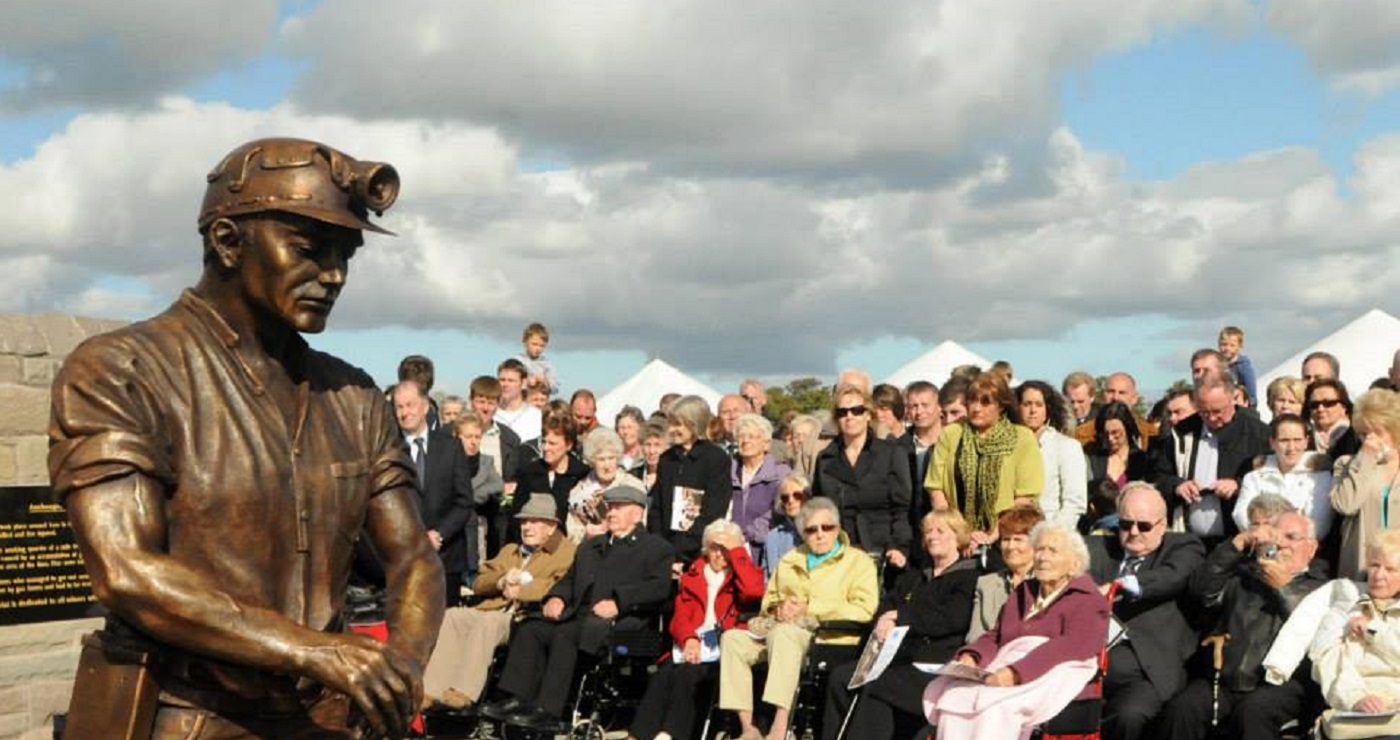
421	459
1131	565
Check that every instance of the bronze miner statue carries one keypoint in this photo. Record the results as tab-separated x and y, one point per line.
218	473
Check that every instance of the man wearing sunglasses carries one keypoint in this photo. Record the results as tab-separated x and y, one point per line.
1153	568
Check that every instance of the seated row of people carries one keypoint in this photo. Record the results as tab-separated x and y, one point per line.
1040	647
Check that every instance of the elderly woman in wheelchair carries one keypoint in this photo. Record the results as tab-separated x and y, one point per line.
715	591
1041	655
824	579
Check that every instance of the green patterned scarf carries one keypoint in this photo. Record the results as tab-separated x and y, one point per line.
979	464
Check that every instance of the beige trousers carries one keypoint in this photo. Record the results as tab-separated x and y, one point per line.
738	653
466	641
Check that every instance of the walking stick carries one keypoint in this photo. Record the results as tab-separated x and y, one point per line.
1217	645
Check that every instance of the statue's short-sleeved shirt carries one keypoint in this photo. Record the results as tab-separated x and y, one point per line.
265	501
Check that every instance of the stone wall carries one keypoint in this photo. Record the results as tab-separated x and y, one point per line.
37	661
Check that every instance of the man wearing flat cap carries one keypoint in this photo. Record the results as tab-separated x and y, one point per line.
617	580
510	584
218	471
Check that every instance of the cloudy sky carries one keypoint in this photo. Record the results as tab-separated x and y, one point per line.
772	188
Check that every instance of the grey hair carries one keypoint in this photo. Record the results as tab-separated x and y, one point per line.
1077	548
599	441
720	527
691	412
755	422
1271	505
812	423
814	505
1140	485
798	481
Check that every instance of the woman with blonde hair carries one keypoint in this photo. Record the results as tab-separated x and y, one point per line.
1364	485
935	605
1358	666
1285	395
868	478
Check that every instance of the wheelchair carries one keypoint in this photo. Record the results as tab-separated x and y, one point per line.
608	689
805	718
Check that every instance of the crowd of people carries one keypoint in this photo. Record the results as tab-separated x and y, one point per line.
1018	532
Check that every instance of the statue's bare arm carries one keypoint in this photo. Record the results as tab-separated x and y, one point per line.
120	527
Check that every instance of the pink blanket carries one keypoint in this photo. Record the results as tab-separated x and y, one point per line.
963	709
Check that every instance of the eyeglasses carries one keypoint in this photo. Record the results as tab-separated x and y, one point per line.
841	412
815	528
1326	403
1129	525
786	497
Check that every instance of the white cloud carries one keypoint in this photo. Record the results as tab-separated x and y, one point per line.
722	272
907	91
1351	42
121	54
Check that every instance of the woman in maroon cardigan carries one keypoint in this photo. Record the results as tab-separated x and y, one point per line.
719	586
1041	655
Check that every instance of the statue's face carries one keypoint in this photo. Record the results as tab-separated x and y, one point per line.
293	267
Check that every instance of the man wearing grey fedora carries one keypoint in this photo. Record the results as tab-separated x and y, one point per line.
618	579
520	575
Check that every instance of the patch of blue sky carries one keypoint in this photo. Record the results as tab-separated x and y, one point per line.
259	83
458	357
292	8
20	135
1195	96
545	161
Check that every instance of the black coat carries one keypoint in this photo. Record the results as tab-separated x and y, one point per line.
510	453
534	478
1158	632
874	496
1243	439
634	571
446	499
1248	609
704	468
936	610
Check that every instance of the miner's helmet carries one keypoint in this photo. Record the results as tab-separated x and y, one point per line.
301	177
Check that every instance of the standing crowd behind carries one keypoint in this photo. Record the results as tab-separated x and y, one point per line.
1005	526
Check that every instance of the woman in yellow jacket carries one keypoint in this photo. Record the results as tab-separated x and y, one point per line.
986	463
823	579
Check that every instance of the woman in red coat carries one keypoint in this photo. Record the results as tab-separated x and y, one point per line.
715	590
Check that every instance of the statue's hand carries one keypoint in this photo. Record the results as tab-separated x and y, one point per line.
385	683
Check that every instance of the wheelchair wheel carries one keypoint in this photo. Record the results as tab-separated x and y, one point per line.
587	730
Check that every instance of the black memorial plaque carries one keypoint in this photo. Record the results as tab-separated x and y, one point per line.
41	571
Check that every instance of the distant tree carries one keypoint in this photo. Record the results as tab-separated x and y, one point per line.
803	395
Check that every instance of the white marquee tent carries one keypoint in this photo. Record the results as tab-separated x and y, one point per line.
936	364
645	389
1364	348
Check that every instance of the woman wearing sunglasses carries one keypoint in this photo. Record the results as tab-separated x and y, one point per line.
823	579
1329	408
986	463
868	478
782	529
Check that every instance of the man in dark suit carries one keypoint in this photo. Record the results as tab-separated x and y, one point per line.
444	485
618	580
1220	443
1152	568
